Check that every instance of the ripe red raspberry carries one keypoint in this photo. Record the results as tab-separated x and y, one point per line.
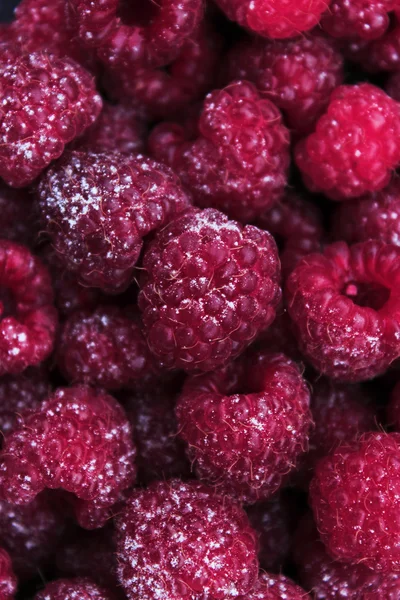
242	137
46	102
378	55
355	145
28	317
99	207
276	587
355	499
297	75
261	404
18	218
104	348
78	440
179	541
8	581
345	306
74	589
365	19
209	287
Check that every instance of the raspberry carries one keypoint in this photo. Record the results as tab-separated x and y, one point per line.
297	75
276	587
17	216
46	102
179	541
345	308
104	348
209	287
267	425
242	137
355	499
99	207
273	18
378	55
365	19
28	318
78	440
8	581
279	337
73	589
355	146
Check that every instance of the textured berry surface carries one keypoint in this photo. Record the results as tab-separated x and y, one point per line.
8	581
79	440
276	587
267	426
17	216
46	102
209	287
28	317
211	536
73	589
355	145
365	19
98	208
355	499
345	306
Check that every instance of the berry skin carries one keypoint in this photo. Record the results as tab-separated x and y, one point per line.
267	426
46	102
210	534
8	581
276	587
73	589
104	348
355	145
355	499
297	75
273	18
365	19
28	318
78	440
209	286
345	306
17	216
98	228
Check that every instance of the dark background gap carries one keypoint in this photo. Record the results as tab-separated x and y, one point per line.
7	9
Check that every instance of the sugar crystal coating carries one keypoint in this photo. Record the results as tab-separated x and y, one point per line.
74	589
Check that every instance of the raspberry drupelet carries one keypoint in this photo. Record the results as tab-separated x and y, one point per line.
180	541
355	500
28	318
18	218
46	102
78	440
276	587
8	581
209	286
345	306
261	404
78	588
97	208
365	19
297	75
355	145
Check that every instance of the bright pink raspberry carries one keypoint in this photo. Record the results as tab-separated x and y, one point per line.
28	318
98	208
78	440
74	589
46	102
8	581
365	19
209	286
355	145
261	404
180	541
297	75
356	502
18	218
104	348
276	587
345	305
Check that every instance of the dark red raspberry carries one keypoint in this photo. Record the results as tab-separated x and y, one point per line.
179	541
8	581
17	216
375	56
297	75
28	317
365	19
261	404
46	102
209	287
273	18
355	145
104	348
345	305
78	440
74	589
276	587
355	499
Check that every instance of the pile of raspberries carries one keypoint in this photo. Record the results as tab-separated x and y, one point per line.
200	300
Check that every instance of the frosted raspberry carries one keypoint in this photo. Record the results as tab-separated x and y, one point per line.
365	19
104	348
262	406
46	102
18	218
8	581
276	587
209	287
73	589
28	318
355	146
239	162
78	440
99	207
346	309
273	18
178	541
355	499
297	75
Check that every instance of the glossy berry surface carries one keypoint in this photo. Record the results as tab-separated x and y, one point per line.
73	589
359	18
8	581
